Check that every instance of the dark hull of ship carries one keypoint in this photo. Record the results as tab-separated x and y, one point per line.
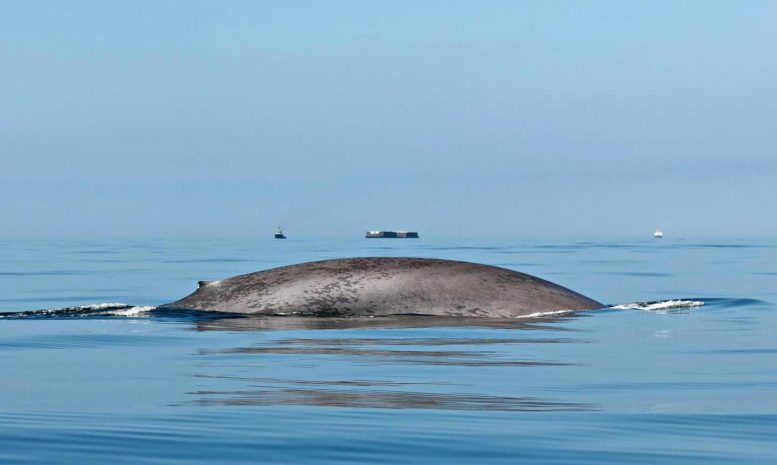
392	235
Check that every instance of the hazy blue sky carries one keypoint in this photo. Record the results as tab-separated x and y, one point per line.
545	118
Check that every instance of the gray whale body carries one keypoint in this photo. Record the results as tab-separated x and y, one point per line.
382	286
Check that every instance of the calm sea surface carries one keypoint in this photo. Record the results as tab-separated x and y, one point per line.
117	384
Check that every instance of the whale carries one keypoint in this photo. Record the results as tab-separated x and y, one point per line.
385	286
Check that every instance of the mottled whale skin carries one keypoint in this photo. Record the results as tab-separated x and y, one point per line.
381	286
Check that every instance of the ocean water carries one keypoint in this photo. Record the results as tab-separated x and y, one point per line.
101	377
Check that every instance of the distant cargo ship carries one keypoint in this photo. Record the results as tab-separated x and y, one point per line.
392	234
279	234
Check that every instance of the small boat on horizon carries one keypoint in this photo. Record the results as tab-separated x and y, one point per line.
391	234
658	234
279	234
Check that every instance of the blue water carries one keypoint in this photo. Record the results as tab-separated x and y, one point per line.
643	385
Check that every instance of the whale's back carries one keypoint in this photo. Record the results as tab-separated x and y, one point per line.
378	286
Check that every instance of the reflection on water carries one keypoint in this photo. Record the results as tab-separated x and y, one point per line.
411	341
257	323
359	398
397	352
426	357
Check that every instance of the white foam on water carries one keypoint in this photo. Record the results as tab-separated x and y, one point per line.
131	312
95	306
541	314
83	311
660	306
